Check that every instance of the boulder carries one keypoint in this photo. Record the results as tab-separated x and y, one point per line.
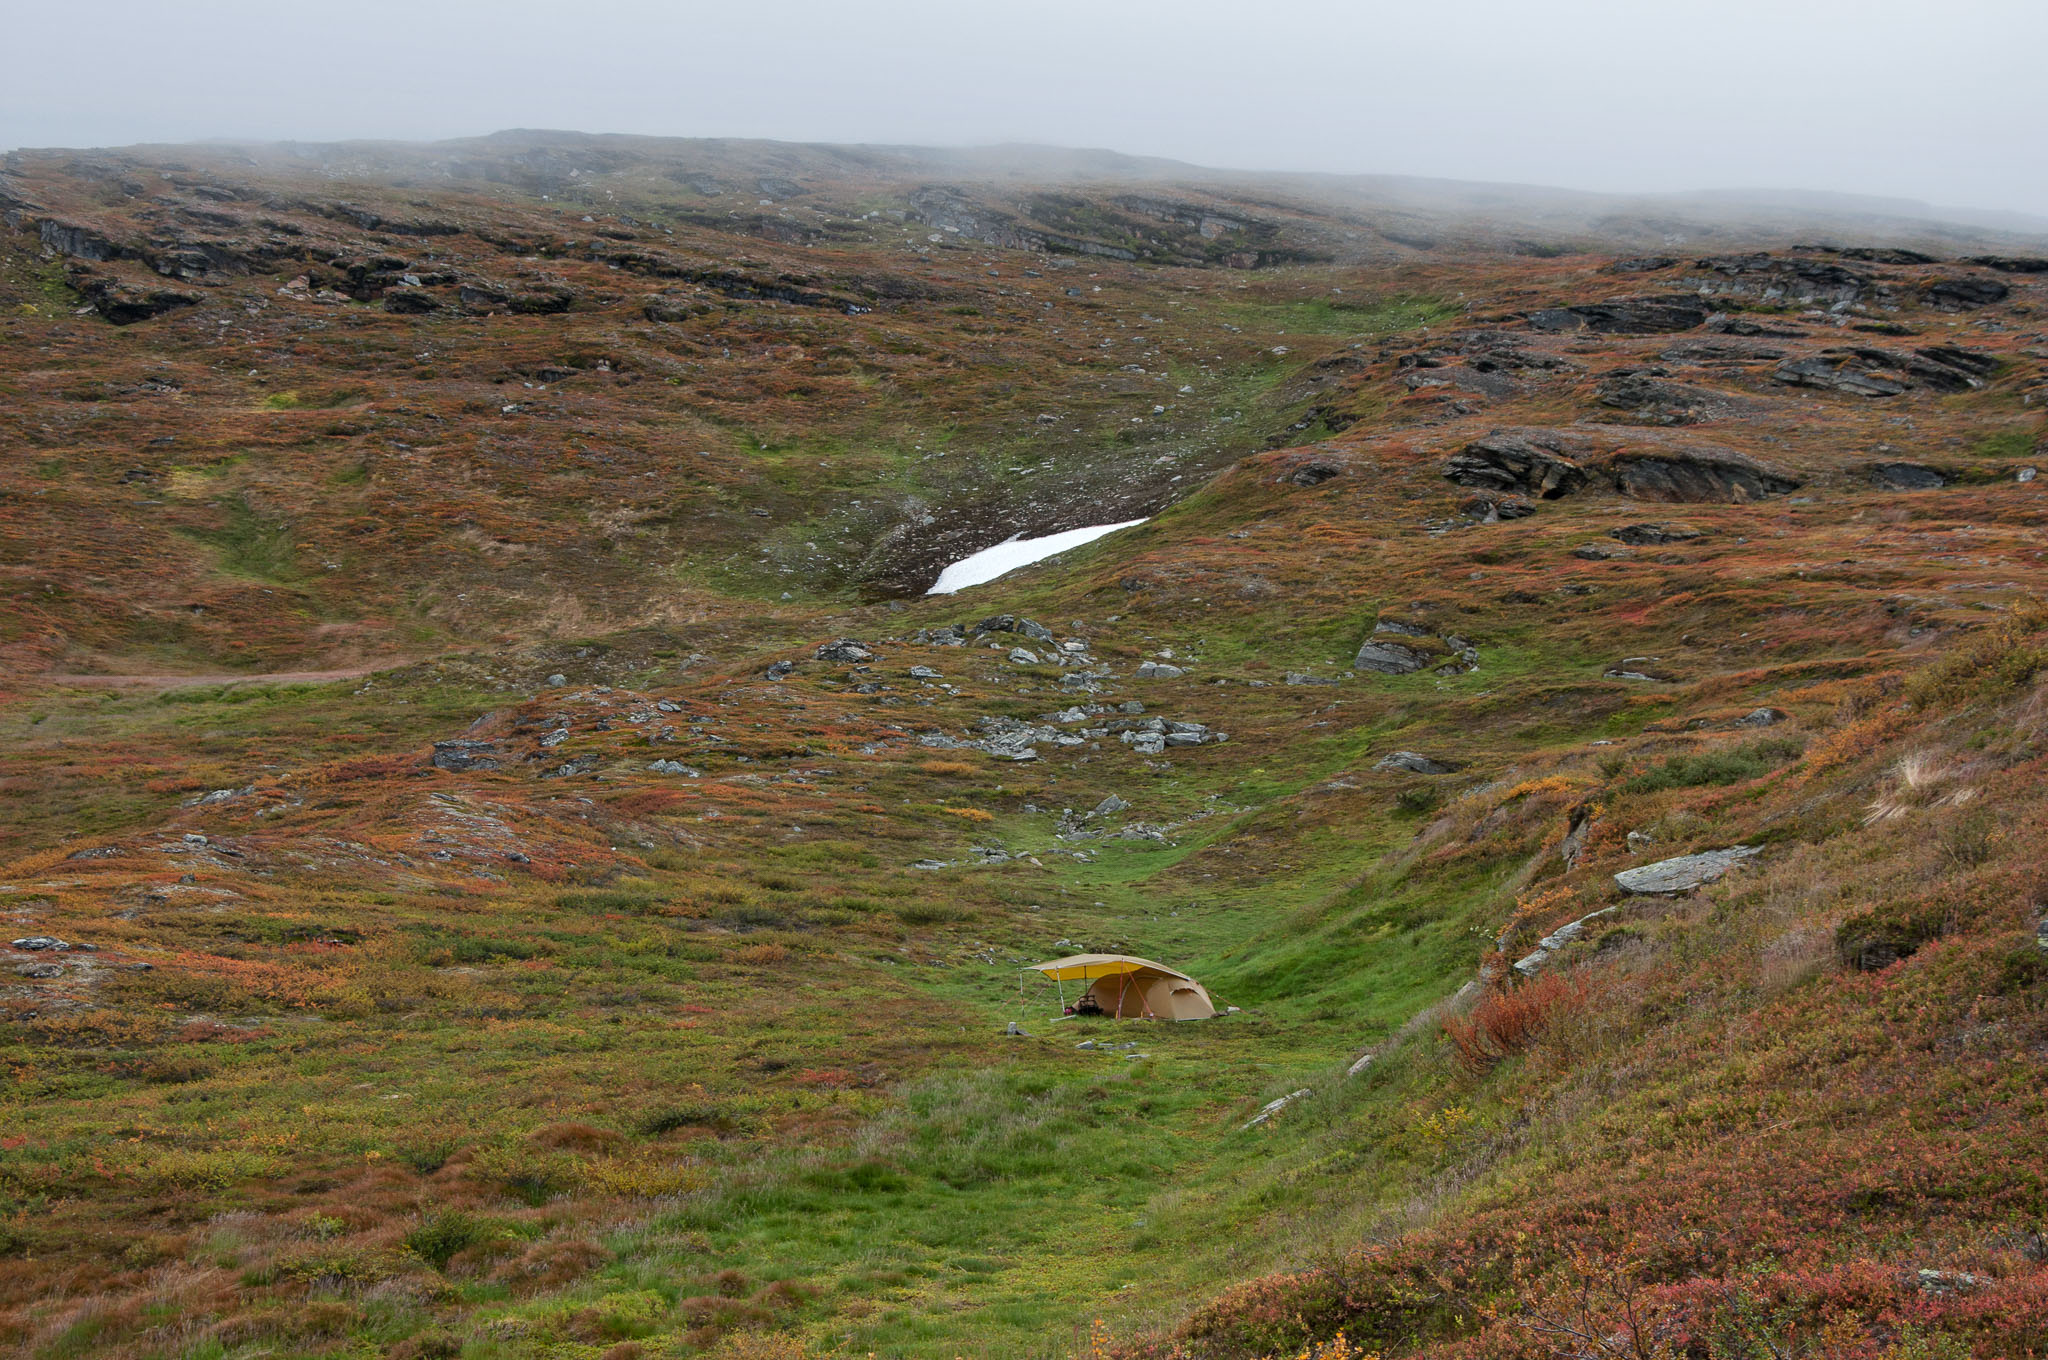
1303	678
781	670
1389	658
1314	473
1907	477
1010	623
675	767
1412	762
1534	462
1696	474
1495	509
1159	670
1653	535
924	673
1108	806
33	943
2011	264
846	651
1020	656
1965	291
1761	717
1684	873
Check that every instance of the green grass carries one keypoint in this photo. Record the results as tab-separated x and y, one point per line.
250	545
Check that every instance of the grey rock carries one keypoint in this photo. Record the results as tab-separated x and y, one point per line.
951	635
466	753
1021	657
557	680
781	670
1159	670
1698	473
1389	658
2026	474
1412	762
39	970
1652	401
1684	873
675	767
1109	805
1017	1031
1273	1107
1760	717
924	673
1010	623
1652	535
1532	963
1528	461
1907	477
1965	291
1597	552
1489	508
555	738
1625	316
36	942
1300	678
846	651
1835	374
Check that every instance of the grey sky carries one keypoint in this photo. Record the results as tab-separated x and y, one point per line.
1937	100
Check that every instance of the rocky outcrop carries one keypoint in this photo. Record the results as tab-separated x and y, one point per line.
2011	264
845	651
1684	873
123	303
1866	372
466	753
1532	462
1698	474
1907	477
1777	278
1964	292
1397	647
1625	316
1647	398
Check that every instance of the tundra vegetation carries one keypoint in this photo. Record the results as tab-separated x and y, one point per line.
435	934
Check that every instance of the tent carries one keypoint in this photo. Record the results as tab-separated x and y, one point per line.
1125	986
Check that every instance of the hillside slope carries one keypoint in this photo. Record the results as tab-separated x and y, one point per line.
619	955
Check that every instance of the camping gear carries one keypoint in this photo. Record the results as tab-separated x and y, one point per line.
1126	987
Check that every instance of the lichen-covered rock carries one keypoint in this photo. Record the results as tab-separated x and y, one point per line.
1684	873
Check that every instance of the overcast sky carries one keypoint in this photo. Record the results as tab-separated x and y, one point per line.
1943	101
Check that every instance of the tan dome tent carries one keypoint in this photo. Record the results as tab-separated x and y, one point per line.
1128	987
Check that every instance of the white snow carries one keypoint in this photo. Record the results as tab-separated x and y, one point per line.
1013	553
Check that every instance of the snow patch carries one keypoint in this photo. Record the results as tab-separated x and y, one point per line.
1014	552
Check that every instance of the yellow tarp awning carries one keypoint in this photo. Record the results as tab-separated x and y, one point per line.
1101	965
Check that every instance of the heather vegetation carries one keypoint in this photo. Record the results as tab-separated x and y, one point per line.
466	900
